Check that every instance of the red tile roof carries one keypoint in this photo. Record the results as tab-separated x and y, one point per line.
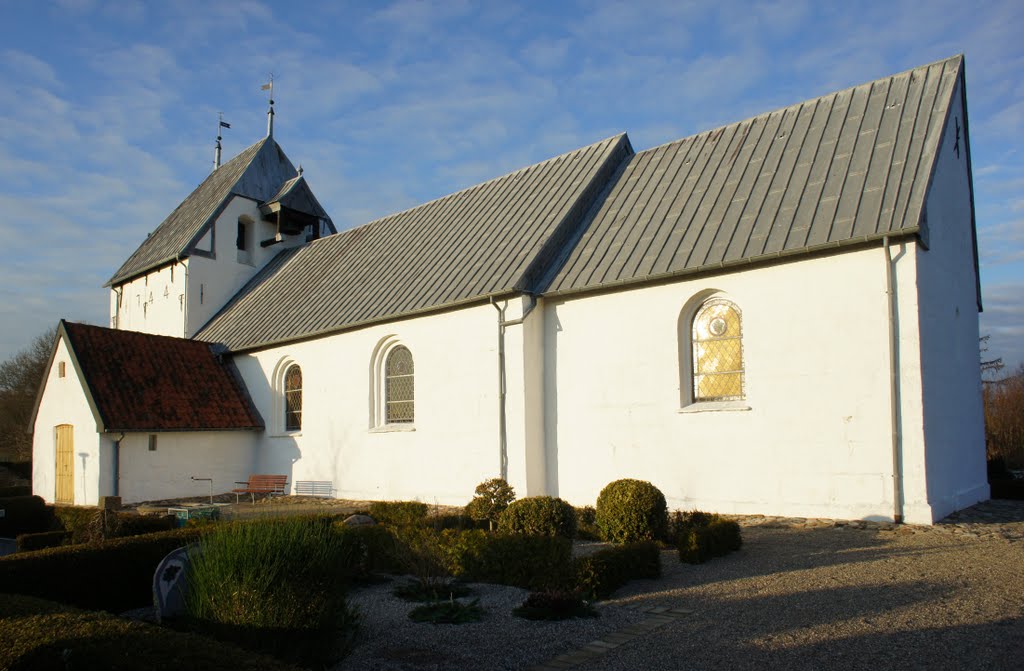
143	382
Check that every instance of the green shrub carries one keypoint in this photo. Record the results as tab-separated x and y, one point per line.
48	636
492	498
707	536
23	515
630	511
399	513
274	586
371	548
586	527
418	552
77	520
531	562
42	540
15	490
539	516
598	575
114	575
554	605
453	521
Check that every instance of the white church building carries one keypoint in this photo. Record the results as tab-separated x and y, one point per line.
779	316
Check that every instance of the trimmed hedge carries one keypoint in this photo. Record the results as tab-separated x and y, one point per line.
539	516
41	541
707	537
77	520
531	562
114	575
598	575
23	515
399	513
631	510
586	526
40	635
373	549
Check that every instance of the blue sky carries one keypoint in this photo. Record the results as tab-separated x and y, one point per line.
108	110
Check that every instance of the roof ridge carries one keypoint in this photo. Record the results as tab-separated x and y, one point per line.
131	333
801	103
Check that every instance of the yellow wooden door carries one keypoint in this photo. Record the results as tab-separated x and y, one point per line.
65	464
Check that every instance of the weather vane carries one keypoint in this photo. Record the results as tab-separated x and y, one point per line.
216	152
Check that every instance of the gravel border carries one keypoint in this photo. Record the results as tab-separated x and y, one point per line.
389	641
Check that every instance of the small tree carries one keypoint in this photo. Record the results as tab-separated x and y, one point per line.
492	498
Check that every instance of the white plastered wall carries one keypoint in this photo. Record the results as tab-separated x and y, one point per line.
225	456
152	303
450	448
214	281
64	402
816	438
948	315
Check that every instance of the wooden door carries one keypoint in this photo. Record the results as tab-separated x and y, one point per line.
65	464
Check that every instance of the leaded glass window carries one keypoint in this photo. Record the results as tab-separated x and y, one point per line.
717	352
398	386
293	398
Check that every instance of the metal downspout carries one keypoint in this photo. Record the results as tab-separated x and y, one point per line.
117	464
502	413
897	467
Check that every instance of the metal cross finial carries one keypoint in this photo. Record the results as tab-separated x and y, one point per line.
269	86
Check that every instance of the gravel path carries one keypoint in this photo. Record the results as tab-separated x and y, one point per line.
389	640
801	594
837	598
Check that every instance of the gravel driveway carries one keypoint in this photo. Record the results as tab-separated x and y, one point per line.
815	597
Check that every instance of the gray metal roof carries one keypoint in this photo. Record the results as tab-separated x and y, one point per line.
258	172
295	194
843	168
493	238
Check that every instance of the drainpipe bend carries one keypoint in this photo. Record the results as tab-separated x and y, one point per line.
502	389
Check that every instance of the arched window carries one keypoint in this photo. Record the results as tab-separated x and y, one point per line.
293	398
399	388
717	341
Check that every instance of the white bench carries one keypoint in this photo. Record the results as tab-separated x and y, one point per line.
322	488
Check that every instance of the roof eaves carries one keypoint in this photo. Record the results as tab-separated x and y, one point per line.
763	259
354	326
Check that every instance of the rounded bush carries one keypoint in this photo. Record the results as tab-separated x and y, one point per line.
631	510
539	516
492	497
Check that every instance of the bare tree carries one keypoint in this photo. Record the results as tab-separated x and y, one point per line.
989	367
1004	419
20	377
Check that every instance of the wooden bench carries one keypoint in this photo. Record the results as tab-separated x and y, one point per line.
261	484
322	488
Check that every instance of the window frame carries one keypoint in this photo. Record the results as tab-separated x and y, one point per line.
690	400
279	424
380	417
289	404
